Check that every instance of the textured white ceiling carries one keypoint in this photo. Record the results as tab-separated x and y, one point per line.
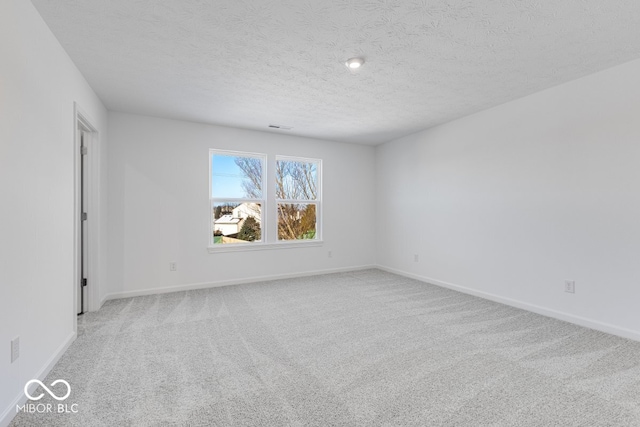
251	63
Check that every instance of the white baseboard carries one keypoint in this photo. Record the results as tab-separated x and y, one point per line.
102	301
578	320
9	413
204	285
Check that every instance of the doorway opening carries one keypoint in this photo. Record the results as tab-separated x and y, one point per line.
84	217
86	162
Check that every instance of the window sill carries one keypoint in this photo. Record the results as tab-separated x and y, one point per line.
242	247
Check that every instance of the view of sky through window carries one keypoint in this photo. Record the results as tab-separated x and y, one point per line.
226	177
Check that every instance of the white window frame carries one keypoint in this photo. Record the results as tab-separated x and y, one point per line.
269	206
213	200
317	202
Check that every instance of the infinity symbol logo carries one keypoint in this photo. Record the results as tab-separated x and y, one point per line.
52	394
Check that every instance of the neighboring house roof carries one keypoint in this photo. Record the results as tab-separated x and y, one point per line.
228	219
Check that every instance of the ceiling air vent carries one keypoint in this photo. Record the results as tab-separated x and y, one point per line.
283	127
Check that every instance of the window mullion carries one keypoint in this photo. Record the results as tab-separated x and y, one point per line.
271	224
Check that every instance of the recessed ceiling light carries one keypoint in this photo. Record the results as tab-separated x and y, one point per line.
354	63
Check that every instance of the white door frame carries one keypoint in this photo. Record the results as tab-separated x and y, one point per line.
82	123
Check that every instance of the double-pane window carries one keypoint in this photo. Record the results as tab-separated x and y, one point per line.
247	208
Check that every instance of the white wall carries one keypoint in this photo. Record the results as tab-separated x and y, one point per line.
159	205
512	201
38	87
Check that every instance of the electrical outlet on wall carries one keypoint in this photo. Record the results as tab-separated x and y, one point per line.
415	258
330	254
15	349
570	286
173	266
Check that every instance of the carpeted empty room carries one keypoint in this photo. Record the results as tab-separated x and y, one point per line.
319	213
363	348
